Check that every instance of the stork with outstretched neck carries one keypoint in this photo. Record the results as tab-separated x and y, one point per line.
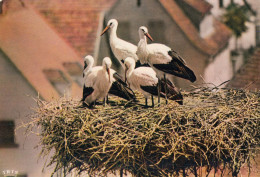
120	48
162	58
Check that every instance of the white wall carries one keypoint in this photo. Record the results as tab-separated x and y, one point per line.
206	26
220	69
248	38
216	10
16	101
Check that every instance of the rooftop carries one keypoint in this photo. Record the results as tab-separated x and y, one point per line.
211	45
201	6
76	21
33	47
248	77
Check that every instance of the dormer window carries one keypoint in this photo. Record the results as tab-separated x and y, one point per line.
75	71
221	3
123	30
58	80
156	29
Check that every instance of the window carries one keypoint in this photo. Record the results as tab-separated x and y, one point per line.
123	31
157	30
7	134
58	80
75	70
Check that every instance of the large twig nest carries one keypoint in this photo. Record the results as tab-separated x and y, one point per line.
212	129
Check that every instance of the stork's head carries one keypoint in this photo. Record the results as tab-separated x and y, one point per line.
129	63
110	24
107	65
129	66
88	60
143	31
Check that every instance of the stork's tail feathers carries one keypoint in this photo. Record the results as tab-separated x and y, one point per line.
172	92
122	91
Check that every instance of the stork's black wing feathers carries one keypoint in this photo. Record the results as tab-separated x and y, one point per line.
119	79
177	67
138	64
150	89
121	90
172	92
86	92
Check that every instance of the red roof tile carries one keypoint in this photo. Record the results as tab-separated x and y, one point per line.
33	47
209	46
76	21
201	6
248	77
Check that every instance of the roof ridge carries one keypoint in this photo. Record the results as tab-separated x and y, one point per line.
187	27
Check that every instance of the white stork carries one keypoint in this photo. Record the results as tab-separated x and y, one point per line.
88	64
144	80
162	59
101	80
121	49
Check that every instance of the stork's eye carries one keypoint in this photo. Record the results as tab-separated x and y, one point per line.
110	24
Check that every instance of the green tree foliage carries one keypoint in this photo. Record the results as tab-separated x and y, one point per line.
235	18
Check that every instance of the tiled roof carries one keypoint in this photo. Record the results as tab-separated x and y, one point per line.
220	37
248	76
34	47
76	21
201	6
209	46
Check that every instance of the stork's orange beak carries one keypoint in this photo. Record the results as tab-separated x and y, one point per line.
148	35
105	30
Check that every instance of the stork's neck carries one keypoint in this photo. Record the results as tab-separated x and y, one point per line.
142	51
130	71
113	35
89	66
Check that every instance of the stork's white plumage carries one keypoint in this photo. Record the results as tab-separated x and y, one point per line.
88	64
144	80
121	49
101	80
162	58
97	82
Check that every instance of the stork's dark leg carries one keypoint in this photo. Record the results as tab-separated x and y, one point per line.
165	88
159	91
105	101
84	104
152	101
146	102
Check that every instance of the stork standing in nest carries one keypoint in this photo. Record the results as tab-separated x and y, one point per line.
101	80
144	80
120	48
162	59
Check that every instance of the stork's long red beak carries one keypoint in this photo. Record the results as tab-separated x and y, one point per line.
105	30
148	35
126	68
108	72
